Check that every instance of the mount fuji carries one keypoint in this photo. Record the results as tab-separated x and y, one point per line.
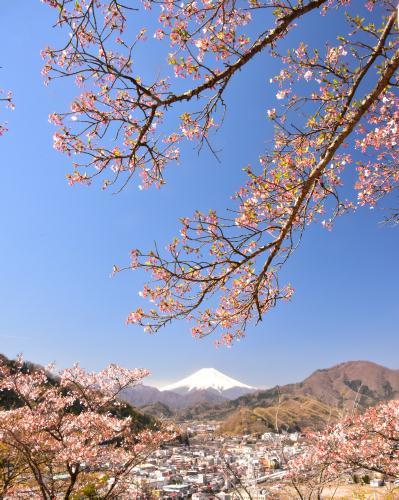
207	385
210	379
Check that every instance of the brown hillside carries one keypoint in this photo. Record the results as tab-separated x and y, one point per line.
311	403
291	414
362	382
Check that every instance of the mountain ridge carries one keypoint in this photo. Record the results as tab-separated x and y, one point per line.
342	387
319	398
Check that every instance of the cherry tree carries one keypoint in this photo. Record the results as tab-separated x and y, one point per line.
12	470
368	441
316	467
70	434
335	111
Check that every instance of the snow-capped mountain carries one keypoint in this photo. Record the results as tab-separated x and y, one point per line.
206	386
210	379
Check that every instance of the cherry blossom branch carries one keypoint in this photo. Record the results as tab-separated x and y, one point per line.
222	272
277	204
9	104
137	110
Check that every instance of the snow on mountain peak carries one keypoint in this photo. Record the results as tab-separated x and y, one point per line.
207	378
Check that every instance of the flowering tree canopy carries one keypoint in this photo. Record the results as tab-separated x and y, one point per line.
367	441
69	434
337	109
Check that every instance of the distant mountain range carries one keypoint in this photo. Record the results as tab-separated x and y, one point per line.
319	399
209	395
207	385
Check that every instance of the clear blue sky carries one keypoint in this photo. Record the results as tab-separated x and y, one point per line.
58	245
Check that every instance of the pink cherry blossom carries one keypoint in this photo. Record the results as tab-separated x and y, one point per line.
72	423
223	271
365	441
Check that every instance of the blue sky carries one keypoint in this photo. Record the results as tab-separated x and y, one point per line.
57	301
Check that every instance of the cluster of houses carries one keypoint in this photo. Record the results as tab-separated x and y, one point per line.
214	466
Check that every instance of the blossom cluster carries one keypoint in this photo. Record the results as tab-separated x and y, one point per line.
222	272
333	104
366	441
71	423
7	99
